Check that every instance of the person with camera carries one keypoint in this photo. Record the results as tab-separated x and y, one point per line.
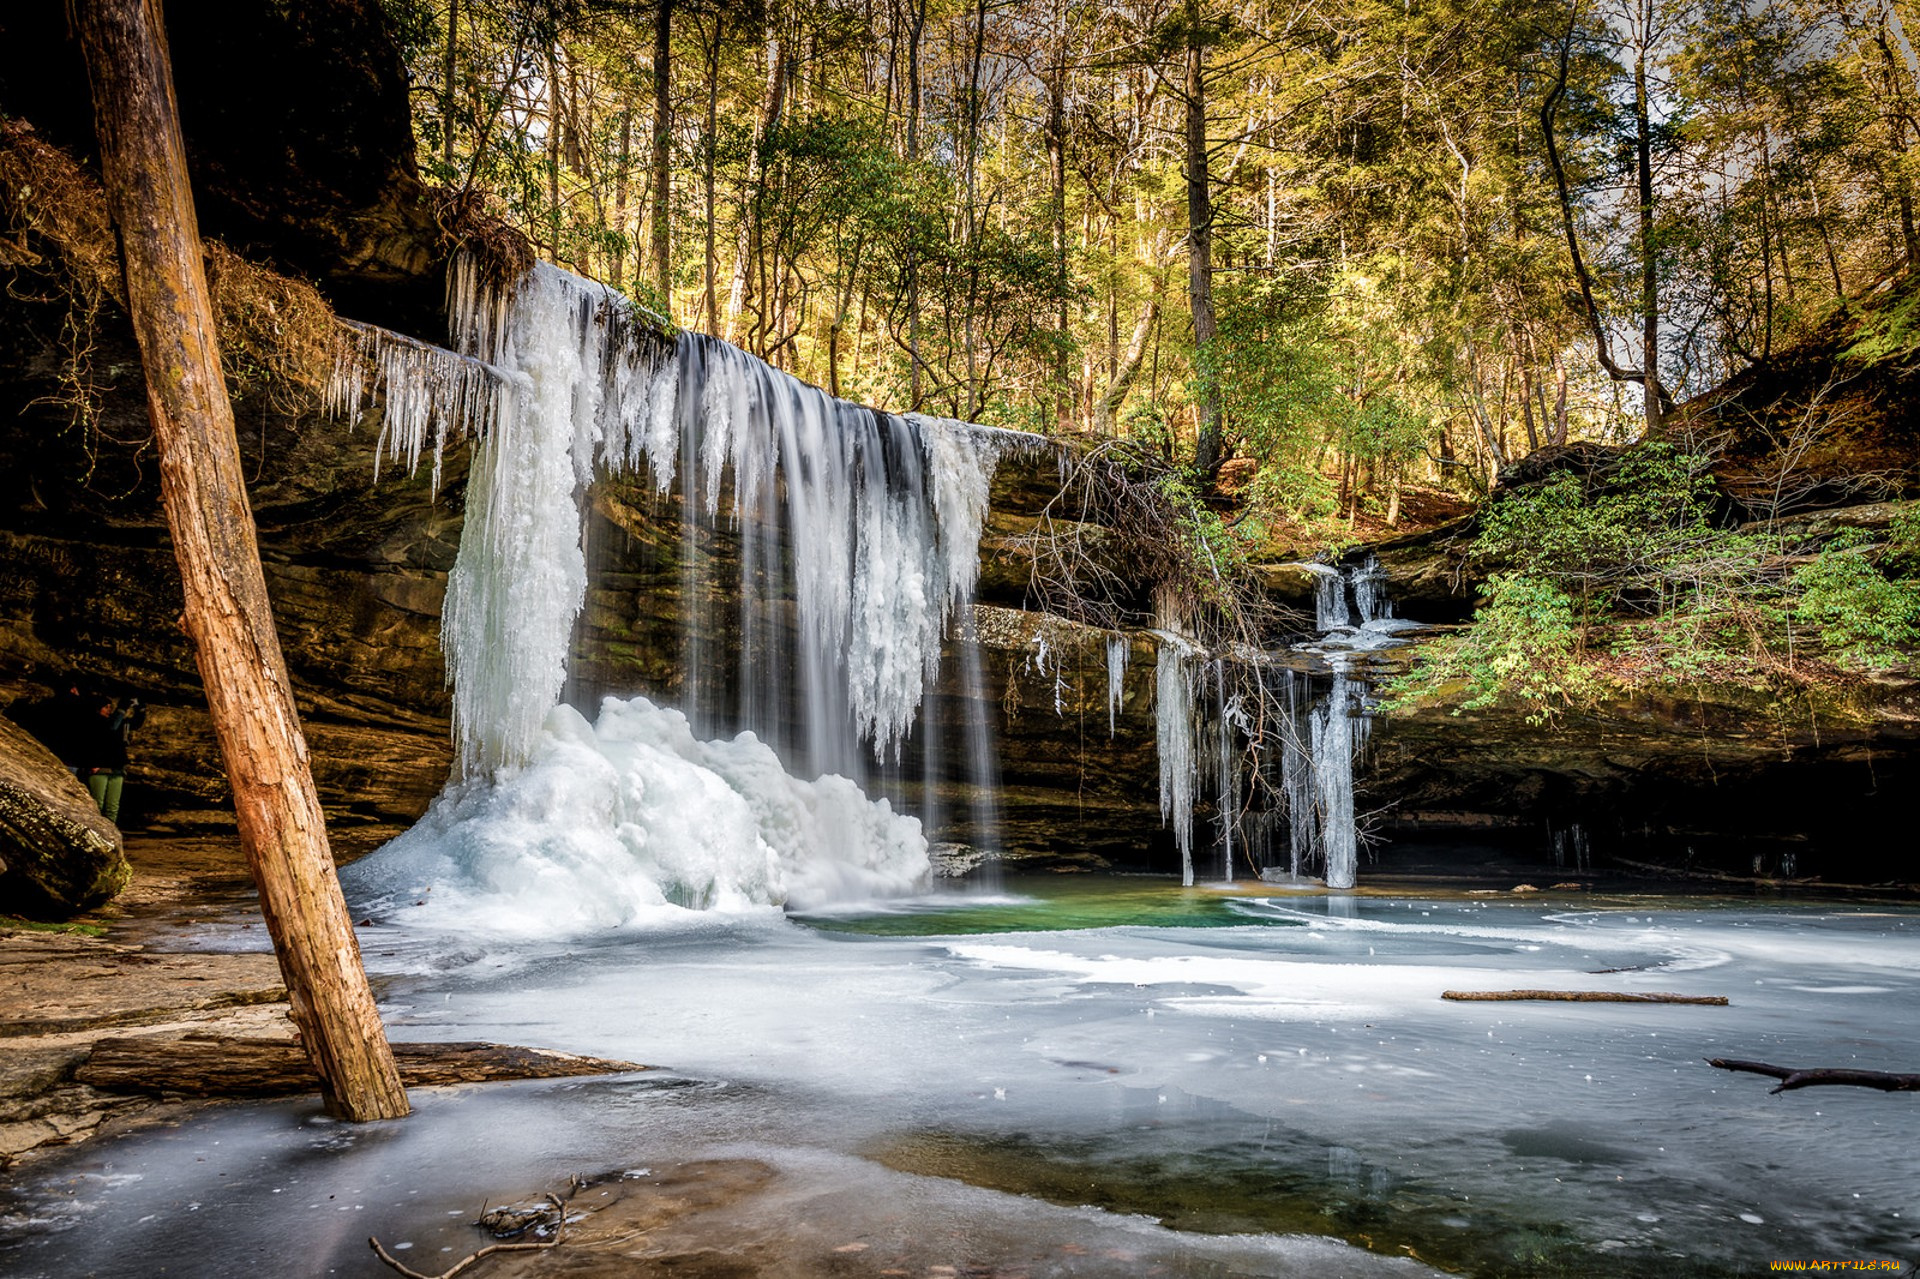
107	768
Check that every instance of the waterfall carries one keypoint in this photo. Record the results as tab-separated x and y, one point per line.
869	521
1369	591
1342	595
1338	733
1329	598
858	534
1277	735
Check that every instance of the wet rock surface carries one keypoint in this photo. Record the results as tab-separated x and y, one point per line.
138	965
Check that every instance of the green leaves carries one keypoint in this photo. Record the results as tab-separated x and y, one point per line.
1865	619
1525	643
1631	537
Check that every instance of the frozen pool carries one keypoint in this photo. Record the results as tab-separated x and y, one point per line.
1075	1070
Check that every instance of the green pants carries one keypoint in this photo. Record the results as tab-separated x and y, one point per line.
105	789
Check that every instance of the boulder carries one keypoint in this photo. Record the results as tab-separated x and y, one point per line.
61	856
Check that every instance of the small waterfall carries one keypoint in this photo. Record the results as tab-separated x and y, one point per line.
1277	736
1369	585
1345	598
1329	598
1338	733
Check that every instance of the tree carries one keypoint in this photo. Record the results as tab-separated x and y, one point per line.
227	612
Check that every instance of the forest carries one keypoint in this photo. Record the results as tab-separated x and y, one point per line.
1327	264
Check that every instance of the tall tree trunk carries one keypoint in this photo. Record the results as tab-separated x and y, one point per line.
1108	405
711	260
446	90
1526	407
1559	435
1057	211
553	151
622	189
749	213
663	155
1603	346
227	612
916	29
1207	452
976	55
1649	251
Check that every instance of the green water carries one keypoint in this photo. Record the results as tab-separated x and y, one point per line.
1055	903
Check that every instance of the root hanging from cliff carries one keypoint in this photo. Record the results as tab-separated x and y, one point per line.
277	333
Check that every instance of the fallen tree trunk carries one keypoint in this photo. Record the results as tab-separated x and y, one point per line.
215	1066
1582	997
1885	1081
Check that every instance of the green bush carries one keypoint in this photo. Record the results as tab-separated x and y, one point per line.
1525	642
1643	530
1865	619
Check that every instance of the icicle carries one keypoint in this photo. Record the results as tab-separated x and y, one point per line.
1173	735
1370	591
430	395
1334	744
1296	772
1119	652
1330	600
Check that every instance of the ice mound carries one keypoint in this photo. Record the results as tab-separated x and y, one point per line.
631	821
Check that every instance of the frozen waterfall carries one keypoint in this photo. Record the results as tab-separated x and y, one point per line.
1277	735
858	535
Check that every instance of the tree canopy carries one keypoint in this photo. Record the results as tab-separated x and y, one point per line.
1433	235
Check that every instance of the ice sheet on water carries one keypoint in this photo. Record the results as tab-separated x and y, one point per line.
632	820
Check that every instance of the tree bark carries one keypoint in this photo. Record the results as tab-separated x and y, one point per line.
621	182
1057	215
1107	407
1207	454
227	613
914	34
711	259
663	155
748	235
446	91
1653	400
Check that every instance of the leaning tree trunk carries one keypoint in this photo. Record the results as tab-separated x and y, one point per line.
227	613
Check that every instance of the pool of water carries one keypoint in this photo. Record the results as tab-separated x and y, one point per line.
1208	1081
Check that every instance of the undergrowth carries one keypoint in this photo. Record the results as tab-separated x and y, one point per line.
1599	584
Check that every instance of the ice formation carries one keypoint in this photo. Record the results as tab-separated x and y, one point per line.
1276	737
1174	739
632	818
1119	652
865	524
